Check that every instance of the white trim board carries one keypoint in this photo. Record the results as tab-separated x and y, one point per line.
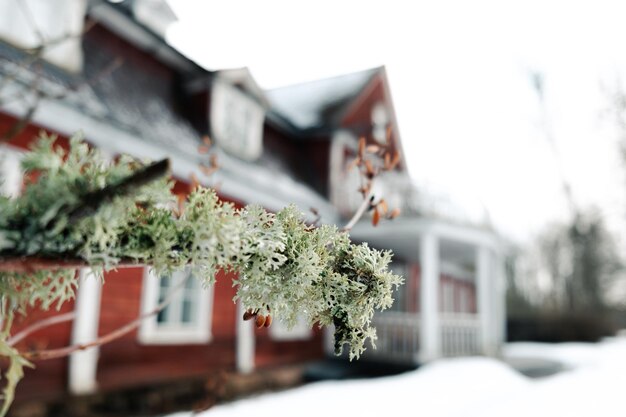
83	365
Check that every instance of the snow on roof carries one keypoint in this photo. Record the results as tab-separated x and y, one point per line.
308	105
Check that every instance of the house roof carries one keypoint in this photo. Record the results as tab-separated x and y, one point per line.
321	103
120	18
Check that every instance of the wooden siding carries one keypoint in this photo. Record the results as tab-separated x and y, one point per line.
358	117
126	363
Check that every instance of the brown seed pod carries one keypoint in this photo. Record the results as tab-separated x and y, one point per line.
208	170
361	146
268	321
260	321
394	213
387	161
364	189
248	315
195	182
394	161
375	217
382	205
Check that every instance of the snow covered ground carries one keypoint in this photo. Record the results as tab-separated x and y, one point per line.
592	384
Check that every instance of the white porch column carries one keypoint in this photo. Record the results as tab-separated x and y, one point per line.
500	294
83	365
485	298
245	342
430	344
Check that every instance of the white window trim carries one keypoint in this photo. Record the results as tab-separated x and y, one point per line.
280	332
151	333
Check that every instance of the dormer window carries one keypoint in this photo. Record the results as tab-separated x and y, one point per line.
236	121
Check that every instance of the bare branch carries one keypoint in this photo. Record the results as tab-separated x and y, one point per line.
91	202
365	205
50	321
29	264
28	14
107	338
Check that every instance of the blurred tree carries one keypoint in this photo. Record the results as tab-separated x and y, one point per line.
583	261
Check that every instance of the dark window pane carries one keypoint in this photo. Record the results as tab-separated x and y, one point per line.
187	313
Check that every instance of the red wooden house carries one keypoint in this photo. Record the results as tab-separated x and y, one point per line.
130	92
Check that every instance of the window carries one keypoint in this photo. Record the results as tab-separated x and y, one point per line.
236	121
187	319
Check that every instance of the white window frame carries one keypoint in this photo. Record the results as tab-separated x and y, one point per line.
280	332
151	332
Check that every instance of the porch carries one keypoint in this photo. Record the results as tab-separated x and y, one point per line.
399	336
429	319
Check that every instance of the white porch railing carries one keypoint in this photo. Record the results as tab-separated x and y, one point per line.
398	336
460	334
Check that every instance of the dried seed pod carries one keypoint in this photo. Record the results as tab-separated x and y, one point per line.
364	189
361	146
260	321
193	179
387	161
248	315
394	213
268	321
395	160
375	217
180	199
382	205
208	170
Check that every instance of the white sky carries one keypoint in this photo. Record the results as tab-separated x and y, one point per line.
469	117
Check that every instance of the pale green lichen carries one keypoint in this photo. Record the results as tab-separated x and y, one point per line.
283	265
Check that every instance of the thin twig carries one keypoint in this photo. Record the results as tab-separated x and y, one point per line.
28	14
109	337
31	264
365	205
50	321
91	202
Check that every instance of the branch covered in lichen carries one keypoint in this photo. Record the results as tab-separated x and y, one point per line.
282	264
